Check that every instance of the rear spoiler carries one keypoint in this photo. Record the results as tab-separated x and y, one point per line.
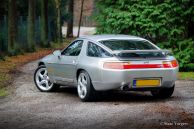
166	52
143	51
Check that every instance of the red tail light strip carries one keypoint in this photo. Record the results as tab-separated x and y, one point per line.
142	66
121	65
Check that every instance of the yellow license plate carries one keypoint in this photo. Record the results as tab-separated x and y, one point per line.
146	82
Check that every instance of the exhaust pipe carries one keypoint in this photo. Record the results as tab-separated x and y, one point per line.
125	87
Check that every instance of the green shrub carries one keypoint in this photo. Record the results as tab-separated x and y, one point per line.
190	67
184	52
168	23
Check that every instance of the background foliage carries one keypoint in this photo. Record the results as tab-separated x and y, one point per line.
21	32
168	23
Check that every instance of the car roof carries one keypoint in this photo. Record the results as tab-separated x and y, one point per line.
111	36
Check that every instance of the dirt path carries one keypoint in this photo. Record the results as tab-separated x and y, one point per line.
27	108
83	31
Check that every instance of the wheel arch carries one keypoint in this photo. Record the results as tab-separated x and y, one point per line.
78	71
41	63
82	69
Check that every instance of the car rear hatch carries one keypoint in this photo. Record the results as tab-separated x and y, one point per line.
142	59
143	67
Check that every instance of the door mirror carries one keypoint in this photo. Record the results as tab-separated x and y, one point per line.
57	53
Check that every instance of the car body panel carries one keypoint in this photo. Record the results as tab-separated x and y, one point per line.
63	70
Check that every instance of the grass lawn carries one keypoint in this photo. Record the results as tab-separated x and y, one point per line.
186	75
8	68
3	92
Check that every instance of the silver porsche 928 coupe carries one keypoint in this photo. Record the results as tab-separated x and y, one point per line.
109	62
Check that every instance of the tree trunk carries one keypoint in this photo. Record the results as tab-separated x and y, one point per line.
44	23
12	26
31	25
80	19
58	8
70	21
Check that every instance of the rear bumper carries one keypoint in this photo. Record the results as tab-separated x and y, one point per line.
115	79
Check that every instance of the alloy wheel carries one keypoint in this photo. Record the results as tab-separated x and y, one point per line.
42	79
82	85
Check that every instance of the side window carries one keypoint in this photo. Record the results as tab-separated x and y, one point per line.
94	50
74	49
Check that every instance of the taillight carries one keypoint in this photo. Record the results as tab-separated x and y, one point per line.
166	64
174	63
170	64
128	65
115	65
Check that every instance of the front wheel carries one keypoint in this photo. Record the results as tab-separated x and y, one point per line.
163	93
42	81
85	89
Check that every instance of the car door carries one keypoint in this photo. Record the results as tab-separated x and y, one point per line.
67	62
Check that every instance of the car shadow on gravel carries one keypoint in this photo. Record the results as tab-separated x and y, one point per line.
116	96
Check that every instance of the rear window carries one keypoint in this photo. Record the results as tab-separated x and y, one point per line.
96	51
128	44
133	45
142	55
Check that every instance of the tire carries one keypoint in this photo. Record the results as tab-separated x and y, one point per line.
41	80
163	93
85	89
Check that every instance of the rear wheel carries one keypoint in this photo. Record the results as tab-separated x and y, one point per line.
163	93
42	80
85	89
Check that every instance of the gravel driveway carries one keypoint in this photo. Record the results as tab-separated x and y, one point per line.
27	108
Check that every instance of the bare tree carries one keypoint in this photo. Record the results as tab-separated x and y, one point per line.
12	26
80	19
70	21
44	23
58	8
31	26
